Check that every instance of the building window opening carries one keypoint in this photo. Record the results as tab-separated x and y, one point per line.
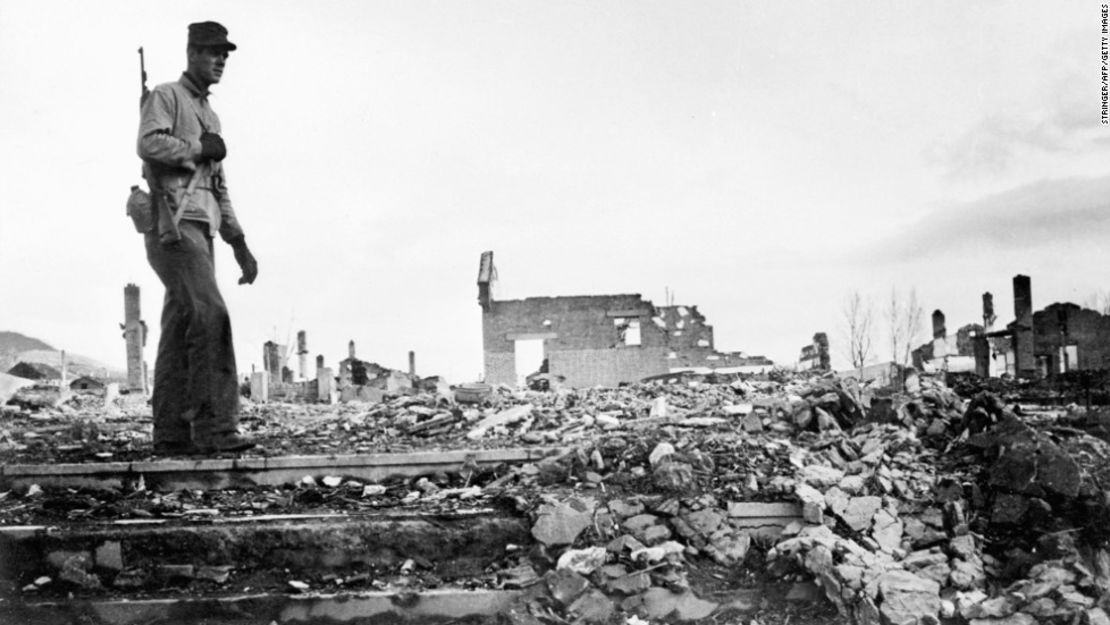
630	332
1069	358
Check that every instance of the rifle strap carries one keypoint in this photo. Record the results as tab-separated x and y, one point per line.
192	186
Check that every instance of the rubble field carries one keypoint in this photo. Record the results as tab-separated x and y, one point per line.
920	506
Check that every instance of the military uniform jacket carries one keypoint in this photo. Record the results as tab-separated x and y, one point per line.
173	118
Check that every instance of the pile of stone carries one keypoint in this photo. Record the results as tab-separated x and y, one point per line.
910	507
895	527
631	554
950	543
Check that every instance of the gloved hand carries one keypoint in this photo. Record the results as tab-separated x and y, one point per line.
246	260
212	147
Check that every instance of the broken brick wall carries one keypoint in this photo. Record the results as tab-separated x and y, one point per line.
966	339
815	356
607	367
688	336
589	340
1062	325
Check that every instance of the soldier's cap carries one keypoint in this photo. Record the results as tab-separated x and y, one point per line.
209	35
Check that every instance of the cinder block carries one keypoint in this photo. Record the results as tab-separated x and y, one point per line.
325	385
260	386
110	556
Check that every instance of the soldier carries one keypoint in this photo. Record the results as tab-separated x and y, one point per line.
196	391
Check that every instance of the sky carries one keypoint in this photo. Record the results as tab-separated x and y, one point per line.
760	160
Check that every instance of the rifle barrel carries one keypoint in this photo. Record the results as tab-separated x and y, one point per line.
142	75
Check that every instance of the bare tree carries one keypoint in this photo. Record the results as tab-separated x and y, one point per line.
857	323
1099	302
911	325
903	317
893	314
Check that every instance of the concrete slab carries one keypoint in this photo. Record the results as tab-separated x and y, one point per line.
456	544
216	473
430	606
764	520
754	509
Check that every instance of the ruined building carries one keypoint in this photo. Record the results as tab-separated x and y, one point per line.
954	353
1067	337
1063	337
590	340
815	356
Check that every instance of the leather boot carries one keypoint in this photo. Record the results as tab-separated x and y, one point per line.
225	443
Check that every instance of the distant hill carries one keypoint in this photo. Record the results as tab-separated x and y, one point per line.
16	347
76	364
14	342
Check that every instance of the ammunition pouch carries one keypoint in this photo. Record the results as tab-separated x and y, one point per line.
159	211
140	208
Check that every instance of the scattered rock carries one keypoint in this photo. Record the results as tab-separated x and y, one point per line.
752	424
691	608
661	452
640	524
837	500
853	484
821	476
968	574
655	554
109	556
583	561
623	543
887	531
565	585
993	608
75	570
674	476
218	574
592	607
658	602
1009	509
860	512
813	503
1097	616
1019	618
560	524
907	597
931	564
630	583
171	573
623	508
373	490
705	522
729	548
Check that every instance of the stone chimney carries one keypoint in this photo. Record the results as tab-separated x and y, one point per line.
939	331
487	274
134	333
271	363
302	355
1023	326
988	312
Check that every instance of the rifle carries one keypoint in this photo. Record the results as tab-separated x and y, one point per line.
142	75
164	221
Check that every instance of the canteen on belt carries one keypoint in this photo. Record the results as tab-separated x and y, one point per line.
140	210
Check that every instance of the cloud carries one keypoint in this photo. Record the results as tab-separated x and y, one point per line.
1035	216
1062	124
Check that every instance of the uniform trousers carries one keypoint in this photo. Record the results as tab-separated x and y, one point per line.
196	388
